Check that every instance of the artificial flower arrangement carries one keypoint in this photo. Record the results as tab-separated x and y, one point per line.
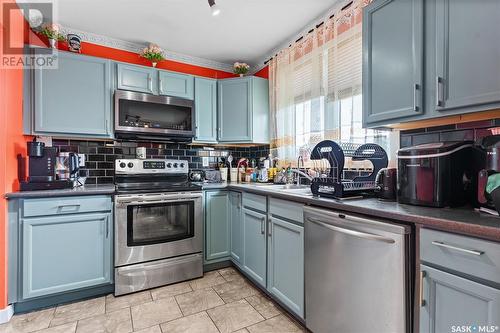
51	31
153	53
240	68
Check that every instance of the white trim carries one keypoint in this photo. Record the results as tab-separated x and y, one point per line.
136	47
6	314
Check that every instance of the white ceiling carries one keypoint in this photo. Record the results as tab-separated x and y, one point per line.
246	30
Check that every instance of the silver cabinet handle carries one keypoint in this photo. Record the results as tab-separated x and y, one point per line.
270	228
354	233
262	227
422	276
150	83
459	249
438	91
415	91
107	227
161	86
106	126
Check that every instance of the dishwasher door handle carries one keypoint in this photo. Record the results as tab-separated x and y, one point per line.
351	232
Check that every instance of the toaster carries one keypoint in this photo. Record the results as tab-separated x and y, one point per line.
438	174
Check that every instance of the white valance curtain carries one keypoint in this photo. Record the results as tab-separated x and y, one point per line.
315	88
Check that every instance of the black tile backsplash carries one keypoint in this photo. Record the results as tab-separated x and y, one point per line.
100	155
455	132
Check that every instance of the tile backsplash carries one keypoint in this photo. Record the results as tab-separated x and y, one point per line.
100	155
455	132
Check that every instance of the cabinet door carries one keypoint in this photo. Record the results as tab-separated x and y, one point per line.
75	98
137	78
217	225
62	253
392	60
205	97
174	84
236	226
235	107
286	263
467	54
254	245
454	301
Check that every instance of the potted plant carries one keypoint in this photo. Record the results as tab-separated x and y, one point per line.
240	68
153	53
51	31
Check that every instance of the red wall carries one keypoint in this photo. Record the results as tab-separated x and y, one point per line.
264	72
12	142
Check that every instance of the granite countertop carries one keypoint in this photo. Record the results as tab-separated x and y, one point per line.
463	220
82	190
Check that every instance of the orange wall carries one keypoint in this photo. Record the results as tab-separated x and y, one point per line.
133	58
264	72
12	142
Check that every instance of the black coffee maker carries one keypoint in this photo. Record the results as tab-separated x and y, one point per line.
491	165
42	169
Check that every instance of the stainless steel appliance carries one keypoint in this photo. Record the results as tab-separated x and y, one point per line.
437	174
67	166
357	274
145	116
158	224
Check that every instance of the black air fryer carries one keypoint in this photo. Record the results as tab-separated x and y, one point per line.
440	174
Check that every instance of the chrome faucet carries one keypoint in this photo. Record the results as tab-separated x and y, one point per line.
300	158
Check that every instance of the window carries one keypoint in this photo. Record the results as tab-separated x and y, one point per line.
316	90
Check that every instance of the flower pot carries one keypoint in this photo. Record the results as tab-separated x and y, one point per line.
154	63
53	43
241	75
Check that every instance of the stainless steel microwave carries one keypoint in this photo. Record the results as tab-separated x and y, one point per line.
145	116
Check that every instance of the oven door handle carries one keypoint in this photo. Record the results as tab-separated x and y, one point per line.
156	199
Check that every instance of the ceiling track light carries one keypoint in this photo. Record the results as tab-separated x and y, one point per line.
214	8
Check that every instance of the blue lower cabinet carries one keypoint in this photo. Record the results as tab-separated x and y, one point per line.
286	263
451	301
254	245
65	253
236	227
217	228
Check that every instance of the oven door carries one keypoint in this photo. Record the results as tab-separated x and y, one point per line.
157	226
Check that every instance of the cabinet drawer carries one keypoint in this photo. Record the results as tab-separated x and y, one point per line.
65	205
255	201
286	209
475	257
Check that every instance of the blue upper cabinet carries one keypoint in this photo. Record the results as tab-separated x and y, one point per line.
175	84
243	110
73	99
393	65
137	78
467	62
205	97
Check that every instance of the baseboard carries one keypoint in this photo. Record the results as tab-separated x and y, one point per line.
6	314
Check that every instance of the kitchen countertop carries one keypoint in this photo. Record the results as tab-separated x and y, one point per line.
82	190
460	220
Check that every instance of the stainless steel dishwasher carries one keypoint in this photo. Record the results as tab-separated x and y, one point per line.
356	274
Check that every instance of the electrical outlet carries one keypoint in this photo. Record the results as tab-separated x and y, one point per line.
81	160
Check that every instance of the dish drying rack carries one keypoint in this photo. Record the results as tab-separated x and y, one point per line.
332	182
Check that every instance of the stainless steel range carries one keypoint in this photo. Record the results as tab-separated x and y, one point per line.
158	224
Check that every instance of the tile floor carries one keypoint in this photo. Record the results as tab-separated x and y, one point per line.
221	301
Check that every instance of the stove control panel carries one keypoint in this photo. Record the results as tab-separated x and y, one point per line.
149	166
